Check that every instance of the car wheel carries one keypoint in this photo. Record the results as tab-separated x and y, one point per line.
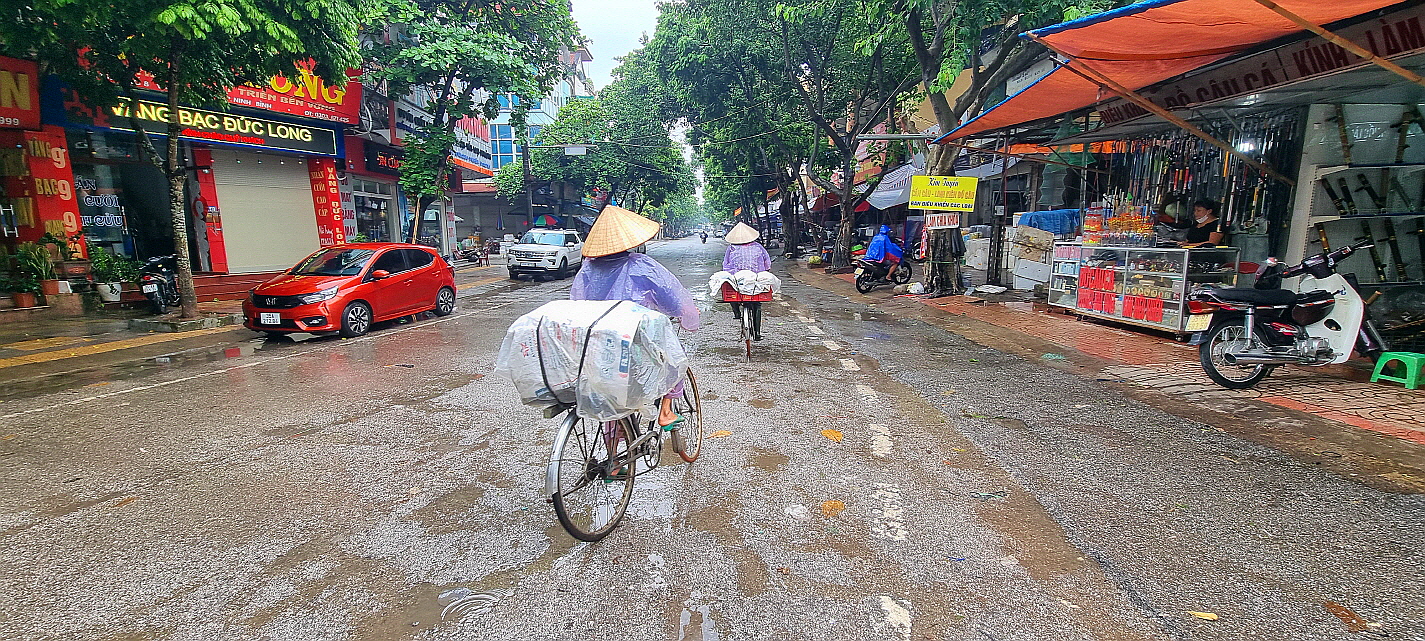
563	268
444	301
514	275
355	320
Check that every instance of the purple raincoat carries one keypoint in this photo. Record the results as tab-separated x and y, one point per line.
746	256
638	278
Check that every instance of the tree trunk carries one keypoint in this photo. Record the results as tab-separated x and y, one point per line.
790	234
178	206
422	202
841	254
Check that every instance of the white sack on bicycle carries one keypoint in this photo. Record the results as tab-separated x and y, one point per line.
746	282
632	360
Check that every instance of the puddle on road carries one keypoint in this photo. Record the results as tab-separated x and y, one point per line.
762	403
768	460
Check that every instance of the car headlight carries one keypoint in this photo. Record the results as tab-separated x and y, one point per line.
325	294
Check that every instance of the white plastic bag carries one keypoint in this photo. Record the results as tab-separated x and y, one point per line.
609	358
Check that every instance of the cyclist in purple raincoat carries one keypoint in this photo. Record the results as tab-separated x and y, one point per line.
615	273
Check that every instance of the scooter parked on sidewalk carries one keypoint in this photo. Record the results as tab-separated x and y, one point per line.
1243	333
158	279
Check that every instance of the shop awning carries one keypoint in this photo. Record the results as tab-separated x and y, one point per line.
894	188
1146	43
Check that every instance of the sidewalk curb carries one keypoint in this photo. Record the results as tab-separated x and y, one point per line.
187	325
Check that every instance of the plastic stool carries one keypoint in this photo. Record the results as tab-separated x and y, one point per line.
1413	363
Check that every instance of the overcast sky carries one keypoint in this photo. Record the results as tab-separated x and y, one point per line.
613	28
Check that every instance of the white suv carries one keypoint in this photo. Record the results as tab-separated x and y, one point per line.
546	251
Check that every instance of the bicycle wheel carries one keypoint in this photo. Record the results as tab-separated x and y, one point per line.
747	329
688	438
592	476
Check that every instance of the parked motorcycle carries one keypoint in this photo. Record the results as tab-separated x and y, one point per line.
869	274
158	278
1243	333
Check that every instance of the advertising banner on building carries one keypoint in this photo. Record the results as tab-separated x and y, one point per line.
472	149
943	193
37	184
326	196
348	205
19	94
381	159
223	128
1390	36
304	95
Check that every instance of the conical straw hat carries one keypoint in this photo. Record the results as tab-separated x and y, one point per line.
742	234
617	230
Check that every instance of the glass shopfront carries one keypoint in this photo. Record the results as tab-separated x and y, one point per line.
375	209
123	200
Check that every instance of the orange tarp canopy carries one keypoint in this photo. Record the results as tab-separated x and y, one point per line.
1148	42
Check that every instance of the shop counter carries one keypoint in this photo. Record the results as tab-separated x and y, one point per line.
1145	286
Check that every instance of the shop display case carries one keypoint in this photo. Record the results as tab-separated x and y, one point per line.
1137	285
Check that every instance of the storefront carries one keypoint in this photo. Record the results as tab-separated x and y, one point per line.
263	189
373	171
1306	146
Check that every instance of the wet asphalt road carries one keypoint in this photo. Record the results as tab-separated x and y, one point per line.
387	488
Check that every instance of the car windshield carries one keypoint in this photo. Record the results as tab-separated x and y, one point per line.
543	238
334	262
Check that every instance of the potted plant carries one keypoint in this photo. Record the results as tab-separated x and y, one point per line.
111	271
22	288
33	259
71	263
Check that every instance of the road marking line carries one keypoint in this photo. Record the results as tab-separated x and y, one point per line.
850	365
90	350
46	343
866	390
887	523
897	617
831	345
880	440
816	330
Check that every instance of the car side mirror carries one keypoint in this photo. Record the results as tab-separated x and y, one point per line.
380	274
570	244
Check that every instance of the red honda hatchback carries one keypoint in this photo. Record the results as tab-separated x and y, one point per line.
346	288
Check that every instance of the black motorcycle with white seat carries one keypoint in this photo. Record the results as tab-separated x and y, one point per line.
1244	333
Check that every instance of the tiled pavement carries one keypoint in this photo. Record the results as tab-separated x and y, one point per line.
1339	393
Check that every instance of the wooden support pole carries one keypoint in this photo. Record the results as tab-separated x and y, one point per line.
1093	75
1343	43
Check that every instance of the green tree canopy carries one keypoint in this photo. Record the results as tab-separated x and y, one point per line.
196	49
459	57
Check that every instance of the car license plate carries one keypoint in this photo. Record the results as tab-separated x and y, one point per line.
859	270
150	288
269	318
1198	322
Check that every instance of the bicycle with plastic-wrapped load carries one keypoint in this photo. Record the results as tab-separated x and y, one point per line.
592	467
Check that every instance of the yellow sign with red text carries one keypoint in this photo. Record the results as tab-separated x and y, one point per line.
943	193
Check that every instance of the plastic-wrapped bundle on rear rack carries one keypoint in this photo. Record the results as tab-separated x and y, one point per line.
609	359
747	282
